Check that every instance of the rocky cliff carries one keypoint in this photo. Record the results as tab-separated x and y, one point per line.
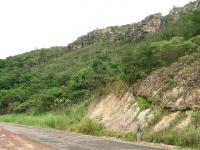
177	87
178	11
130	32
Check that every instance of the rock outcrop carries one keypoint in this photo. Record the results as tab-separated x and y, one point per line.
165	122
119	113
130	32
177	86
122	113
178	11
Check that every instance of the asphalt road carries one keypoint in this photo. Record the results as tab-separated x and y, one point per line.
61	140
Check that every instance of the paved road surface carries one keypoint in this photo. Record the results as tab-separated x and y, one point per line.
70	141
12	141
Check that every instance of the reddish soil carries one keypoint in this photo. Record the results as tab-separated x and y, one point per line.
12	141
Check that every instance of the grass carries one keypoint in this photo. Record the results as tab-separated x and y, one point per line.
130	136
179	117
157	114
89	126
60	120
188	137
73	119
49	120
196	118
67	122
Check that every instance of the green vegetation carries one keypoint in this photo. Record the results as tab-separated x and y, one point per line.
89	126
52	87
149	56
157	114
196	118
57	121
143	103
52	79
130	136
186	26
56	83
74	121
188	137
185	137
62	120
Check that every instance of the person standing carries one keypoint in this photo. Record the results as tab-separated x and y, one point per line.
139	131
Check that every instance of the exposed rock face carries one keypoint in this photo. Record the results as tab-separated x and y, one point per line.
122	113
178	11
119	113
177	86
185	122
150	24
130	32
165	122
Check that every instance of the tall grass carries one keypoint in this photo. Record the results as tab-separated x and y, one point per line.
188	137
73	119
58	120
66	122
76	120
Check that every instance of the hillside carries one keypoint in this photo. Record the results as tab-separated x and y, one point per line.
146	74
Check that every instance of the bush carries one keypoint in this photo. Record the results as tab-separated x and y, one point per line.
130	136
40	76
24	107
89	126
143	103
196	40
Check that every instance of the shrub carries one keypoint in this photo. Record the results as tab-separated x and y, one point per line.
196	40
143	103
24	107
130	136
89	126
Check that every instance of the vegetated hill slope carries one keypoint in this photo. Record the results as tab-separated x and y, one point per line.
165	95
49	79
144	74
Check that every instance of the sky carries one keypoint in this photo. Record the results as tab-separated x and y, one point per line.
26	25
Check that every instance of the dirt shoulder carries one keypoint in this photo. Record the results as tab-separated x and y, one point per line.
10	141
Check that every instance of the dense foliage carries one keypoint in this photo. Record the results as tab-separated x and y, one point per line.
51	79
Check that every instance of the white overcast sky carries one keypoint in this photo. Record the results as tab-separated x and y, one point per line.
29	24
